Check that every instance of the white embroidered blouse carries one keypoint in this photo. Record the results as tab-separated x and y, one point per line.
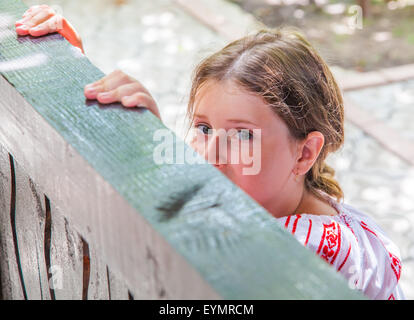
355	245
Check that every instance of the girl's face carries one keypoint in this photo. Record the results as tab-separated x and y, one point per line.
225	105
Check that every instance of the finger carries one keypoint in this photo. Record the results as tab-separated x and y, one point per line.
107	83
33	9
39	17
29	11
49	26
117	94
141	99
22	30
29	14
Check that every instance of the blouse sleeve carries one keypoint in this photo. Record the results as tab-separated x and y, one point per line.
397	294
323	235
359	256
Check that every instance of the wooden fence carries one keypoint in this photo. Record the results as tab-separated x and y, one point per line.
86	213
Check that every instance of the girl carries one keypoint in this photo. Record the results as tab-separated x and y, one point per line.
276	82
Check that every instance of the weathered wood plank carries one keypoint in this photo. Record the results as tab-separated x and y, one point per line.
30	226
77	180
205	237
11	285
66	258
98	288
117	288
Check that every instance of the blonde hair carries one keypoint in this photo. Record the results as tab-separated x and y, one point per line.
286	71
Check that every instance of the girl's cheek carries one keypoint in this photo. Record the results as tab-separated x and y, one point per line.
248	183
197	144
248	156
193	145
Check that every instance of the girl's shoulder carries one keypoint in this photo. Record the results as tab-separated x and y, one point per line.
354	244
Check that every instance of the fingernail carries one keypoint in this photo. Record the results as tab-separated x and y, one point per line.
90	88
23	27
104	95
90	91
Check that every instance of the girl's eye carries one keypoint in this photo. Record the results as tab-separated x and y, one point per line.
203	128
245	134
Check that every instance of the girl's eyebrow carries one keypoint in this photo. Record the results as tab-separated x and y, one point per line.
200	115
229	120
241	121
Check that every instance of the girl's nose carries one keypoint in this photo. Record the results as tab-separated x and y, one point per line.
216	153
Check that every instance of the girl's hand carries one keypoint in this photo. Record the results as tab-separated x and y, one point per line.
119	87
41	19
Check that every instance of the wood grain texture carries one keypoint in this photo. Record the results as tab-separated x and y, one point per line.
11	285
178	231
66	258
117	287
98	288
30	226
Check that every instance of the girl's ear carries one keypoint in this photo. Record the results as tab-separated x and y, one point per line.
308	151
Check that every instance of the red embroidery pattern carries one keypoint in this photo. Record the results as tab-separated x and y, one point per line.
346	258
391	297
309	231
287	222
395	262
395	265
330	242
298	216
365	226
